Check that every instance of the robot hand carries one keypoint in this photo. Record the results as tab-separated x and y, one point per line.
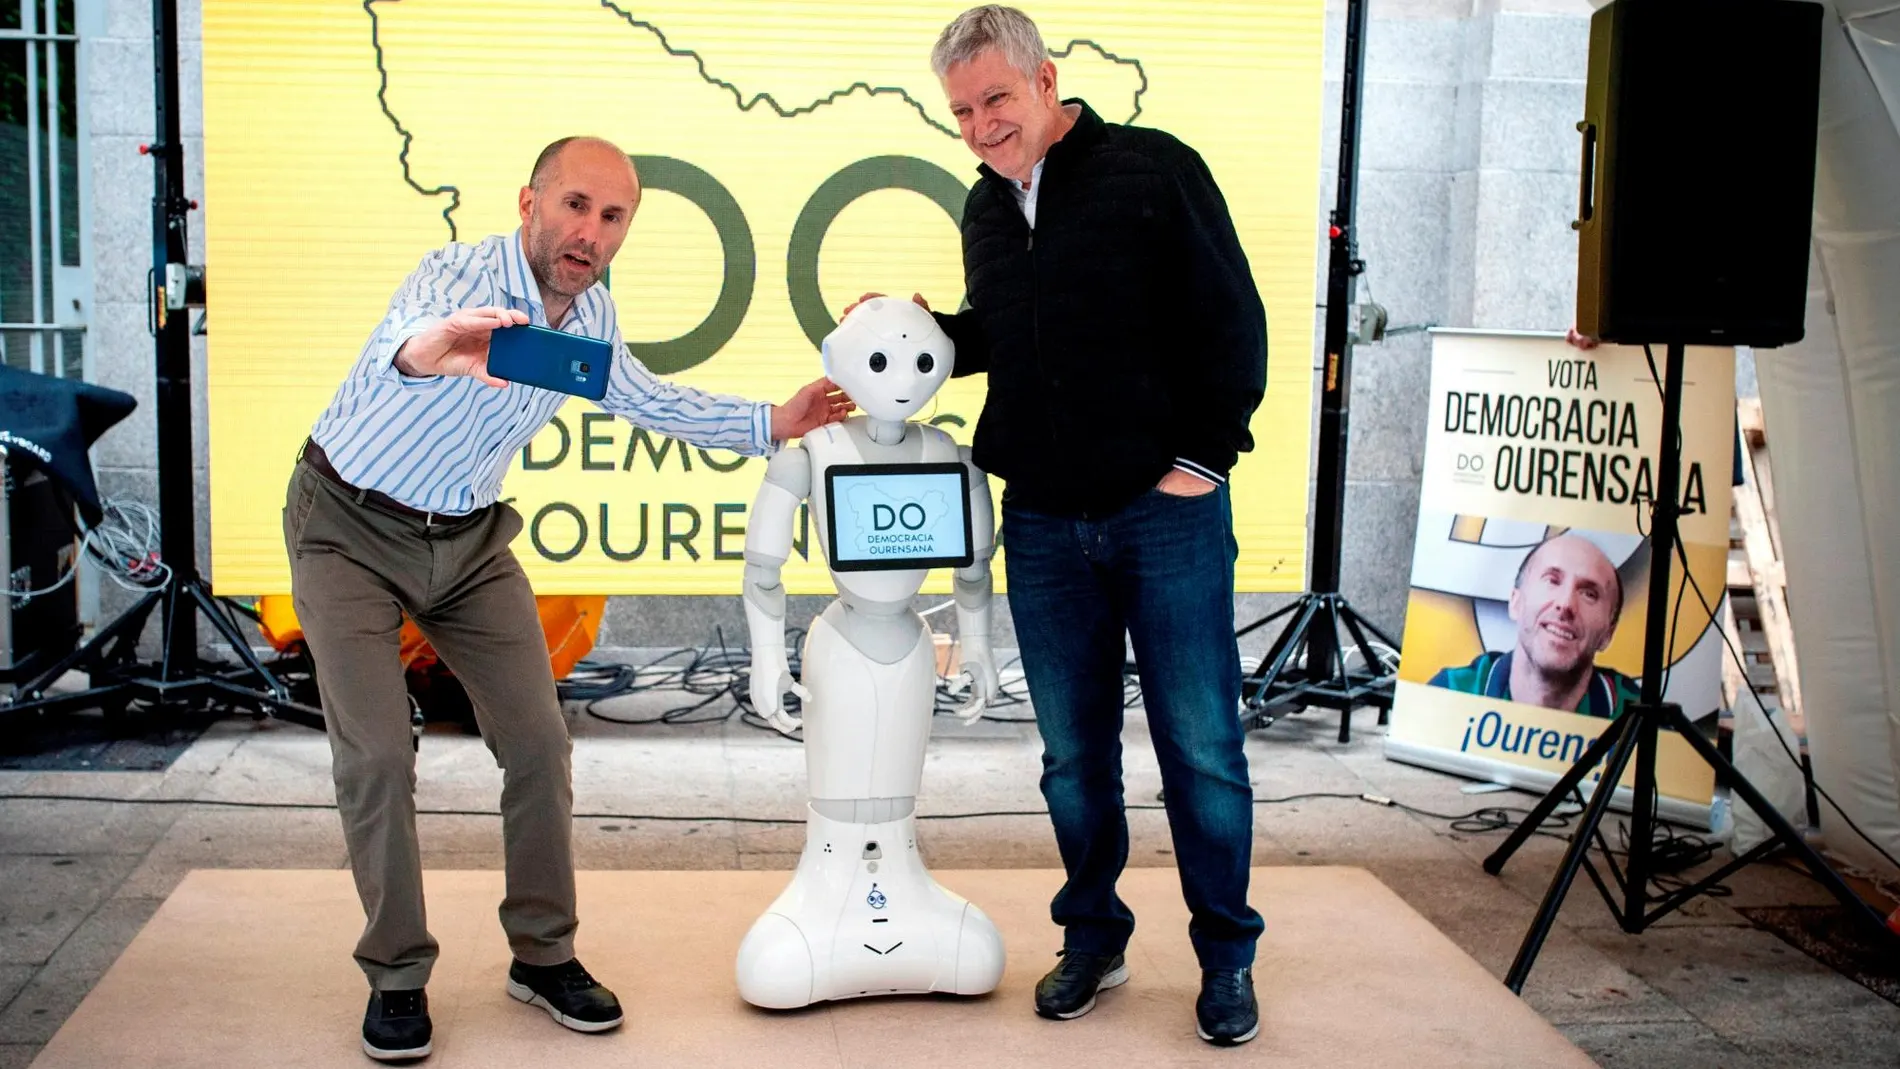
771	678
980	666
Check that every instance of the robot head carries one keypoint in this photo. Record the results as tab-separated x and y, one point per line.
890	357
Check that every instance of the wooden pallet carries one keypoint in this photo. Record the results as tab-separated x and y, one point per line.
1756	615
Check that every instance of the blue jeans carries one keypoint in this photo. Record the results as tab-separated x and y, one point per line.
1160	570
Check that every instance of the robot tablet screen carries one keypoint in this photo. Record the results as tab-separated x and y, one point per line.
898	516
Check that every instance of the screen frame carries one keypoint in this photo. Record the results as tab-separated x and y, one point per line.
911	564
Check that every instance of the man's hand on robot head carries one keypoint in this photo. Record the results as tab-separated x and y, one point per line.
816	404
917	298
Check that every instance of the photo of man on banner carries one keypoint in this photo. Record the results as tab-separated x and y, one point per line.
1565	603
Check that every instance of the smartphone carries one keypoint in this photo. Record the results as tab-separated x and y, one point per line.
537	356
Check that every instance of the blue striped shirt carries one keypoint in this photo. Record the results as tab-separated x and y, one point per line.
443	443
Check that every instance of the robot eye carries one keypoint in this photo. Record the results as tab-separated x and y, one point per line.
877	361
925	362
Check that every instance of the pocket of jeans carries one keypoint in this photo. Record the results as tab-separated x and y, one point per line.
1164	495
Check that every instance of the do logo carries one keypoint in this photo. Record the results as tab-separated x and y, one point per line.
740	254
909	515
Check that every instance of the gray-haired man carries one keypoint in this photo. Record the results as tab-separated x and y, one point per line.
1104	275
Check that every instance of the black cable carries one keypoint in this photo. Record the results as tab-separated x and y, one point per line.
713	675
1654	376
1675	620
673	818
1497	818
708	674
1672	851
591	681
1478	821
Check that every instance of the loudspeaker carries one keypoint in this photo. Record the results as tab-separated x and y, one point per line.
41	547
1697	192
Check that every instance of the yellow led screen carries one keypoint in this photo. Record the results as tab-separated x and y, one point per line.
343	140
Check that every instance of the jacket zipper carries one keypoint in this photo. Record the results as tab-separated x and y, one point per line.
1035	308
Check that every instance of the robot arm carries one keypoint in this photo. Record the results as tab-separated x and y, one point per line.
973	590
768	543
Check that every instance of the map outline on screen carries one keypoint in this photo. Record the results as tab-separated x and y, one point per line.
866	478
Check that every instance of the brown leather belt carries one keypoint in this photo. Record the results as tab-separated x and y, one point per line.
319	462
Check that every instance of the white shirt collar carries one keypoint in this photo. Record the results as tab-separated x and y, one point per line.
1026	198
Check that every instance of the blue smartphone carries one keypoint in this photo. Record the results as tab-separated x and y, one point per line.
537	356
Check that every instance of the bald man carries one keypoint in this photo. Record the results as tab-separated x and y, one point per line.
392	509
1565	602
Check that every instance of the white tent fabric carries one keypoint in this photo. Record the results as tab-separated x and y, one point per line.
1851	680
1832	408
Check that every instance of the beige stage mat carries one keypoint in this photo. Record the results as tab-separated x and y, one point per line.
253	968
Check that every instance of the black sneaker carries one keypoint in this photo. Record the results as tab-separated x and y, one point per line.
1070	988
1226	1013
570	996
396	1025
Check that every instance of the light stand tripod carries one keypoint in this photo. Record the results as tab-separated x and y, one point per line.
1313	642
1634	735
178	678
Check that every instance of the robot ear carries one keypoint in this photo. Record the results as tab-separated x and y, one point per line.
824	357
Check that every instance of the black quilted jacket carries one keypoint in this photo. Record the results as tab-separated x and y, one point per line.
1123	335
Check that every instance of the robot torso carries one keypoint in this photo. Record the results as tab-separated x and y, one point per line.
850	442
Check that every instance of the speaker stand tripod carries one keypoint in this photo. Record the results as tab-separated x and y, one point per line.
178	677
1308	663
1633	736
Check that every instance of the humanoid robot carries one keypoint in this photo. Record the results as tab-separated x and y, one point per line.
862	916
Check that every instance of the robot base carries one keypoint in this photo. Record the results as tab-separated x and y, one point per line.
862	916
